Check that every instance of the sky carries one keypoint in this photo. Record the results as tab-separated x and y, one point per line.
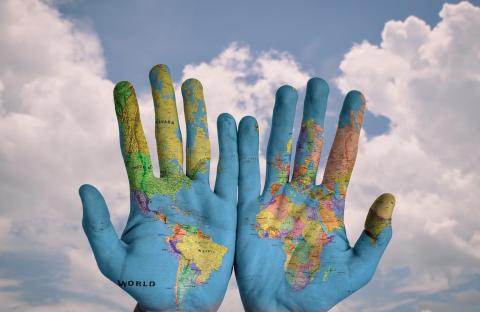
417	62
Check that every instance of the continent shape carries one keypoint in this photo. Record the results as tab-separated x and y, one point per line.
197	254
198	257
303	226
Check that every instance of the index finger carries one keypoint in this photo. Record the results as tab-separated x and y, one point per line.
132	138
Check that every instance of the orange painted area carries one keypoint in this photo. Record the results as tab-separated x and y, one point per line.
160	216
279	208
330	219
274	188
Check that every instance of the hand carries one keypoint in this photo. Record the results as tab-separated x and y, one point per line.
292	252
176	252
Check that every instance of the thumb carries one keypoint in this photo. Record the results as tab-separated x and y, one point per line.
109	251
372	243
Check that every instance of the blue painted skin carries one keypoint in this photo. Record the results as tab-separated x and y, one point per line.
260	261
142	253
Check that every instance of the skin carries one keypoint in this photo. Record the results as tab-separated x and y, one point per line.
179	235
292	252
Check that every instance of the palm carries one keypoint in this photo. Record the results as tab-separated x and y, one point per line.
292	250
172	251
176	251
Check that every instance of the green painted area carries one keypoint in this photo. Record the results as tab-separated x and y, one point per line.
186	280
191	229
169	166
139	170
327	272
121	93
142	179
301	253
374	225
288	224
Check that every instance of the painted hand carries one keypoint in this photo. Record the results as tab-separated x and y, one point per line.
292	252
176	252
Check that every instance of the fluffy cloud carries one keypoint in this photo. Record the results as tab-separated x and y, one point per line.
59	130
426	81
242	83
54	99
239	82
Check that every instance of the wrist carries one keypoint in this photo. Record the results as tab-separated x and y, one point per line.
139	309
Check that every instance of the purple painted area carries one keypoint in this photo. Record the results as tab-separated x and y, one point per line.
297	228
329	239
338	204
173	246
194	267
142	200
312	213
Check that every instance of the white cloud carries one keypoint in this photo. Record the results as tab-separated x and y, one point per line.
426	81
54	99
241	83
59	130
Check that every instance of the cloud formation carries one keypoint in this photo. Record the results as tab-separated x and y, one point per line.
59	130
426	81
57	122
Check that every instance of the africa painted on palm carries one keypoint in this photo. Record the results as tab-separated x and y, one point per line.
305	217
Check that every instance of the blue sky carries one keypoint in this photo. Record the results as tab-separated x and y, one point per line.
137	35
417	62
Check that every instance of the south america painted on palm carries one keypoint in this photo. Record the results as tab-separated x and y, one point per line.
197	254
198	257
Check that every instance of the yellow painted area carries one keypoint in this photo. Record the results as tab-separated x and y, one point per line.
379	216
330	220
201	250
289	145
198	155
312	232
383	206
133	135
268	222
169	144
303	236
297	210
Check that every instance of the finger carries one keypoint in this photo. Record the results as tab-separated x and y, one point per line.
108	250
279	147
344	149
132	138
167	129
249	170
198	144
227	169
372	243
310	140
